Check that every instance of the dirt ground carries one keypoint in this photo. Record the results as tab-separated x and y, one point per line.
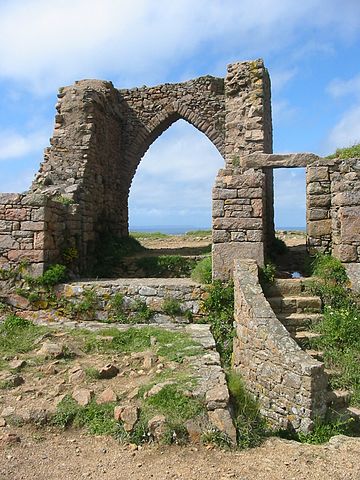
72	456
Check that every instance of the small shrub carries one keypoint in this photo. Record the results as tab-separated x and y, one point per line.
267	274
53	275
278	247
166	266
219	306
202	272
171	307
215	437
329	269
347	152
143	312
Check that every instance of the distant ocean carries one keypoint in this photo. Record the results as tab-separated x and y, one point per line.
179	229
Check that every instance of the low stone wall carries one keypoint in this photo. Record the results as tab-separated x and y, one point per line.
289	384
32	230
152	291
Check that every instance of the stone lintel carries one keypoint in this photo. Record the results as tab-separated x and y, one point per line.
286	160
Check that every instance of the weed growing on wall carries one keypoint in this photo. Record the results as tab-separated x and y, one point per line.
348	152
219	307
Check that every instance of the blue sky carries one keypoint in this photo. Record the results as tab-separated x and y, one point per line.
312	50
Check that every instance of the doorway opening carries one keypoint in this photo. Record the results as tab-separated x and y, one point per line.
289	252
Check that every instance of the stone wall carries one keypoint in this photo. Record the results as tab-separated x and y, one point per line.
242	197
32	231
333	208
289	384
239	218
152	291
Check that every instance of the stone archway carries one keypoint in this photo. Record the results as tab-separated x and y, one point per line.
100	135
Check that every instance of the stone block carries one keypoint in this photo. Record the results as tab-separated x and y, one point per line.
350	224
317	174
33	226
220	236
345	253
224	255
319	228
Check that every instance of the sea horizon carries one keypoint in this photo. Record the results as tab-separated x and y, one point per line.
180	229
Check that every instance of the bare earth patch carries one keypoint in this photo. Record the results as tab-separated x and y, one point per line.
74	456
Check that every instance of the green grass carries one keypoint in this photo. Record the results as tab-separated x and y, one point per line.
97	419
347	152
340	325
166	266
174	346
219	308
149	235
250	426
18	335
198	233
202	272
171	307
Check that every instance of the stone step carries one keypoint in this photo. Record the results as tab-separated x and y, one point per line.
287	286
295	304
317	354
298	321
354	413
304	337
338	399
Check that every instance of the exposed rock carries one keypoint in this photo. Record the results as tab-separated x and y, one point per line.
76	375
2	422
108	371
107	396
50	369
217	397
8	412
14	381
128	414
150	360
157	426
51	350
9	439
82	396
17	364
221	419
157	388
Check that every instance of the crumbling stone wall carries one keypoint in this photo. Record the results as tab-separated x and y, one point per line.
32	230
101	133
289	384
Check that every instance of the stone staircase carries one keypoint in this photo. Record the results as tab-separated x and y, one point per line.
298	310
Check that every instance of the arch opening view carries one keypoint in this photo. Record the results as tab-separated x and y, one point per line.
171	190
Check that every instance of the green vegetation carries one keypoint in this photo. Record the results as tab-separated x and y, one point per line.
18	335
198	233
63	200
348	152
267	274
250	426
166	266
202	272
171	307
278	247
322	431
340	326
97	419
141	313
149	235
219	307
174	346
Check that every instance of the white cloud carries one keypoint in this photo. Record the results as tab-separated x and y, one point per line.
346	132
279	78
339	88
14	145
175	177
45	44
